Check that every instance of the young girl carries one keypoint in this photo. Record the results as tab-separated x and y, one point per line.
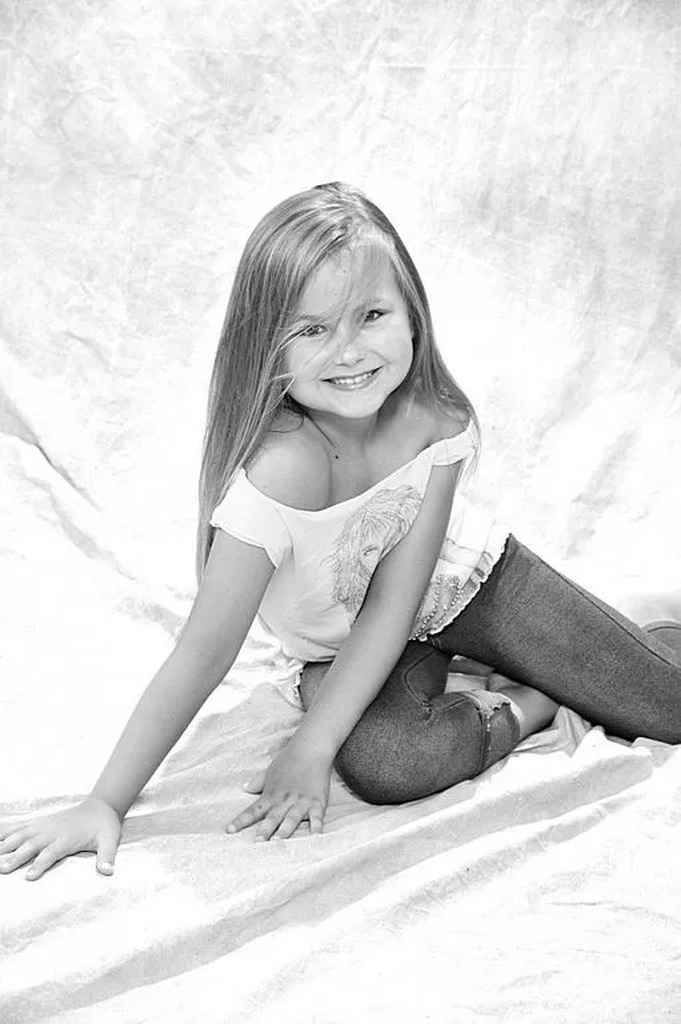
336	454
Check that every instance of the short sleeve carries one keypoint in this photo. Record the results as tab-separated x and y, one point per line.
454	449
249	515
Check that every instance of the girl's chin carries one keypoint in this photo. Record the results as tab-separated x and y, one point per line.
354	408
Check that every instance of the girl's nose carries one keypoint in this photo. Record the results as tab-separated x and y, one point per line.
349	350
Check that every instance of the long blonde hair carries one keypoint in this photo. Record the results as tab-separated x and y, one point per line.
249	386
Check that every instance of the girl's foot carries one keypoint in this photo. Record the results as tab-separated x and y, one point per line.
668	633
467	667
532	708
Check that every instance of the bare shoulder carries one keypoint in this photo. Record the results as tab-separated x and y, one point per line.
434	423
292	467
451	421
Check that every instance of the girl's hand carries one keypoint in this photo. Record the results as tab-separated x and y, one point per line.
294	787
90	826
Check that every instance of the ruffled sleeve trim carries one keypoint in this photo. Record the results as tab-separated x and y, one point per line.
453	449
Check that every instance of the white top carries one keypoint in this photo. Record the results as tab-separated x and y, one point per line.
324	559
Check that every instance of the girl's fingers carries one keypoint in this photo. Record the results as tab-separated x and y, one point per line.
13	840
253	813
290	822
256	784
279	819
107	845
316	816
27	850
273	820
45	859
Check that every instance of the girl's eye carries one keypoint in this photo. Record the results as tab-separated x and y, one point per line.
313	331
374	314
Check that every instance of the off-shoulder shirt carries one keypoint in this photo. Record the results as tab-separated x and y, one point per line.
324	559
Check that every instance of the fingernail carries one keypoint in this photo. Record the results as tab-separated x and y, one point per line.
106	866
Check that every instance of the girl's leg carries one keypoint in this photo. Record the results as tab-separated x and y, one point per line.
537	626
414	739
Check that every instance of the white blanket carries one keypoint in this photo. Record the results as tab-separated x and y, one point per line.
529	158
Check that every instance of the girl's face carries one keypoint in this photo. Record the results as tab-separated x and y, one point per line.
356	347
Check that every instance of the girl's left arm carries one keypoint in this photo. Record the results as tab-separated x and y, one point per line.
384	624
295	785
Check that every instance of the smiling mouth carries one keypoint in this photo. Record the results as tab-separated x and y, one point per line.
350	383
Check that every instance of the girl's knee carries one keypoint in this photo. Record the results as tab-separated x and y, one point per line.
464	734
374	775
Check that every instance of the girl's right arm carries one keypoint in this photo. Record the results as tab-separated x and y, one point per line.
231	590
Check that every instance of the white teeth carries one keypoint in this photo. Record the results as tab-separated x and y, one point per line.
352	381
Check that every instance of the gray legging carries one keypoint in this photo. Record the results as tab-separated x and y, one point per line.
534	626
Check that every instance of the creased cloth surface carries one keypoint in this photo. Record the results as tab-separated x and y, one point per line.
550	885
528	154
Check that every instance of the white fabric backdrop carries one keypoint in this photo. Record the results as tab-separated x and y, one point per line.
528	155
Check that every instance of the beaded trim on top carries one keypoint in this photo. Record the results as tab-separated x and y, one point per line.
445	597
